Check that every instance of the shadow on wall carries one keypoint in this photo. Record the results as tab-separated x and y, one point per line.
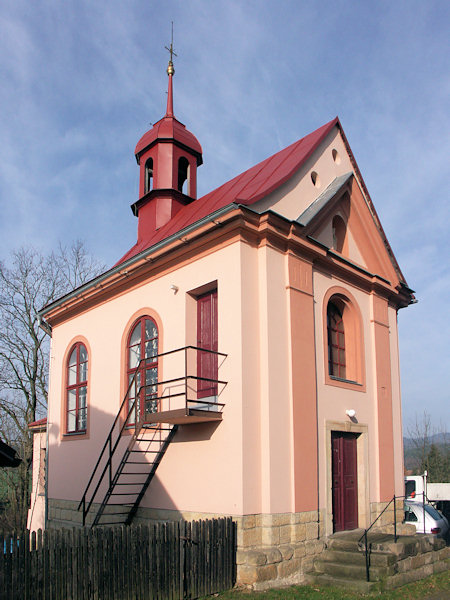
73	457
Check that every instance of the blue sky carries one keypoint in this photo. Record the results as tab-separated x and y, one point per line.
81	81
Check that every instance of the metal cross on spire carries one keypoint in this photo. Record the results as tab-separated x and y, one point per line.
170	69
170	72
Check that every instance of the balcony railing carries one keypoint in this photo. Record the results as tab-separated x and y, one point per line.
173	397
173	400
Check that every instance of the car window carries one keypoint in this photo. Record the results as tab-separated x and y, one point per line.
433	512
409	514
410	487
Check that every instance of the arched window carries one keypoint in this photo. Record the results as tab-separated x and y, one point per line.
76	397
344	345
148	175
183	175
339	233
336	341
142	344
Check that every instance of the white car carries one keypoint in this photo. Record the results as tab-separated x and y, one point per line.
435	522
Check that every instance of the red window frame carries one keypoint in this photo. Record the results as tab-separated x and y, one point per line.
147	372
336	342
76	412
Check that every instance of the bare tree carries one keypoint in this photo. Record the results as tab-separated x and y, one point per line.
30	282
430	449
420	432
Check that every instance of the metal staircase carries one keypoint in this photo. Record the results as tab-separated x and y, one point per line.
141	433
129	485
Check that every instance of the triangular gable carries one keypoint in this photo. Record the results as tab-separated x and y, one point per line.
365	243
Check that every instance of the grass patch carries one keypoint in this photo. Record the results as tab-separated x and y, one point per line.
425	588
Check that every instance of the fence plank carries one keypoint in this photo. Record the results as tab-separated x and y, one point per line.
128	564
177	558
56	564
162	561
227	553
123	563
85	559
196	553
220	553
188	563
203	549
146	563
138	569
95	564
72	564
45	568
172	551
167	558
114	563
154	565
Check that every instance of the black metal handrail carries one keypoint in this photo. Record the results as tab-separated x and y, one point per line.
112	447
367	547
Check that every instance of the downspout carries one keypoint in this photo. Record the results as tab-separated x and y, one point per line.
46	327
46	474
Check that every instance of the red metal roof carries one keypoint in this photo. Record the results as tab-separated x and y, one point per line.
247	188
169	128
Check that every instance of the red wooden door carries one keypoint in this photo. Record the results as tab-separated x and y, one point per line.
207	339
345	481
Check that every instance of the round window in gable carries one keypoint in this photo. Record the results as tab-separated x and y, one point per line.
315	179
336	157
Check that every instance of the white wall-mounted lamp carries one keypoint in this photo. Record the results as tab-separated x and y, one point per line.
174	288
351	412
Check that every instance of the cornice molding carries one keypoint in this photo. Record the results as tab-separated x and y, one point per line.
239	223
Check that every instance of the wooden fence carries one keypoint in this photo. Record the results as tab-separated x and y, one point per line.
165	561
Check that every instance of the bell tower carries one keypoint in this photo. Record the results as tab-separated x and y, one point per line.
168	156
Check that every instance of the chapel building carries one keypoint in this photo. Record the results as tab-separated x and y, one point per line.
240	360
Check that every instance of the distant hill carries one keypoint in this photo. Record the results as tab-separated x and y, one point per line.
413	453
438	439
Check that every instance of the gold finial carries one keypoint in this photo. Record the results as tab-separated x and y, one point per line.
170	68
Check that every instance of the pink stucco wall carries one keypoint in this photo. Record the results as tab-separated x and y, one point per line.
36	512
218	449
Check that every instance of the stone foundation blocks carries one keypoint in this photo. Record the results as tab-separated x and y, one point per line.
289	568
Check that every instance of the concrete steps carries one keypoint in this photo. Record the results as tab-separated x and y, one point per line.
380	559
391	564
351	584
